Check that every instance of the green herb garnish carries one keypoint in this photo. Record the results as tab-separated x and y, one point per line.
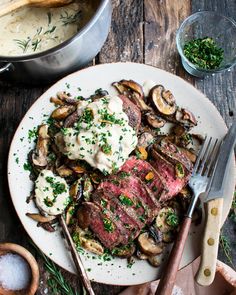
108	225
106	148
204	53
125	200
172	219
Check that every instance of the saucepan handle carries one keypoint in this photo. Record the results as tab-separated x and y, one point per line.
5	67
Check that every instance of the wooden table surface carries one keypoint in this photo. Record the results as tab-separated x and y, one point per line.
142	31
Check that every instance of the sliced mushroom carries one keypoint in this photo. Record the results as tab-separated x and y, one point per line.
40	218
83	217
155	233
169	237
71	119
64	171
69	213
89	243
148	245
141	255
155	260
124	251
163	220
56	101
88	189
99	93
66	98
39	155
189	154
154	121
77	189
185	117
47	226
145	139
178	130
77	167
163	100
126	86
62	112
134	91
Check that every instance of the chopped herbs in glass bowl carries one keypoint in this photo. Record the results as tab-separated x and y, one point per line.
206	42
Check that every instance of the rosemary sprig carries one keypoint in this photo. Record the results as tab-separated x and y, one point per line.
56	282
68	19
23	44
224	243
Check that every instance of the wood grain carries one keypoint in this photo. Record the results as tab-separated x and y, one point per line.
161	21
125	40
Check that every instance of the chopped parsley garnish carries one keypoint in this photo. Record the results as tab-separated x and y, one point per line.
125	200
204	53
108	225
48	202
179	170
106	148
33	134
172	219
103	203
27	166
110	118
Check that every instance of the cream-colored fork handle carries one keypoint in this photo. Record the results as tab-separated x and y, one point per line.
207	268
9	7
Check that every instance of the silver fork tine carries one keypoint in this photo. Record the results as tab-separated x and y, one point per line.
199	155
205	157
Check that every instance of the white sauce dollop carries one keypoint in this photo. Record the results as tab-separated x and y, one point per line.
51	192
103	136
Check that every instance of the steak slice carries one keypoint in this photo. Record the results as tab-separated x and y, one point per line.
168	172
96	219
132	111
144	203
130	226
173	154
140	169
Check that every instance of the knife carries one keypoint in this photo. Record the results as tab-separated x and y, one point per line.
214	207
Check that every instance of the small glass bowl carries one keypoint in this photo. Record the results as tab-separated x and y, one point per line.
208	24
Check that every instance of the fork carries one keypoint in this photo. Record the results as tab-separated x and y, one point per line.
199	183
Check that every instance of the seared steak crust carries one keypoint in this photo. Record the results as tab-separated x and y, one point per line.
132	111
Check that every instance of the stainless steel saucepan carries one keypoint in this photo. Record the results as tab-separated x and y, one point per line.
65	58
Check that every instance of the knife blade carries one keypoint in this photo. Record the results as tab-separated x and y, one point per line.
214	206
218	181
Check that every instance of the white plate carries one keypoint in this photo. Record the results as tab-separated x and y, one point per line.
90	79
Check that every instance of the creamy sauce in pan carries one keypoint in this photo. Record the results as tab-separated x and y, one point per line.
103	136
30	30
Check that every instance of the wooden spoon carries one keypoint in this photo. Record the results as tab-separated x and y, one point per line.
9	7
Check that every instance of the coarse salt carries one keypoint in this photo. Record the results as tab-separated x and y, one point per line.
177	291
15	272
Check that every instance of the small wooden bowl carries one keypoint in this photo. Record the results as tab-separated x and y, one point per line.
17	249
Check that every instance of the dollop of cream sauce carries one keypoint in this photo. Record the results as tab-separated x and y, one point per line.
102	136
51	193
30	30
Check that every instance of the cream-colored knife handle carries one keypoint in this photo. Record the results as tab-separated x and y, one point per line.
207	268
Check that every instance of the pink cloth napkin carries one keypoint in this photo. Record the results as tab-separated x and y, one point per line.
224	283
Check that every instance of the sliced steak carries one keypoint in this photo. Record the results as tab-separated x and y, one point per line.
143	201
134	211
130	226
100	223
173	154
132	111
168	172
141	169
